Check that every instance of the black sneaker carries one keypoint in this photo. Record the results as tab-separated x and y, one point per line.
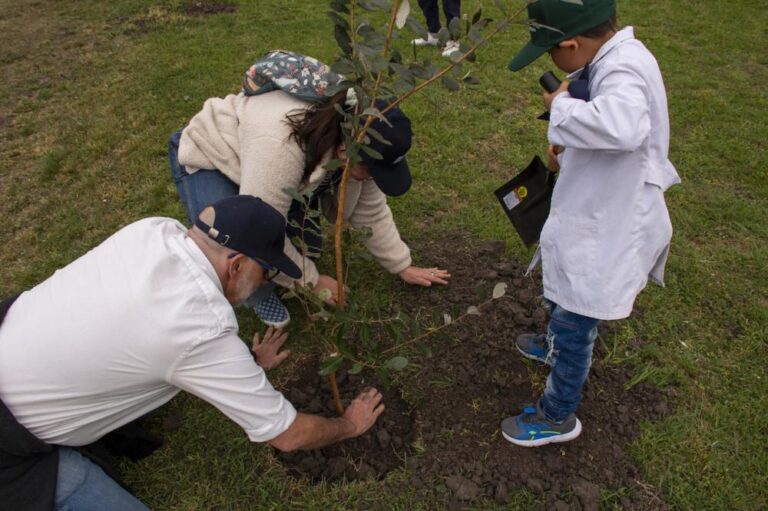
535	346
532	429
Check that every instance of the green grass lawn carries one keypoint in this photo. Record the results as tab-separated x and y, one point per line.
91	90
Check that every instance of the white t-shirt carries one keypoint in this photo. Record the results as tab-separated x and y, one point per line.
118	332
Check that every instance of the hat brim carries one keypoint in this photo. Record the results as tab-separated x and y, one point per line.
392	180
528	54
286	266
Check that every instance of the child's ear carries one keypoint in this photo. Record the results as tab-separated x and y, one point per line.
572	44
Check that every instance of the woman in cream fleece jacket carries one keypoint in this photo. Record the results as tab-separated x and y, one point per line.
262	145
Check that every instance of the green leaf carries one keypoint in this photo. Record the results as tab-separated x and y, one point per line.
450	83
454	27
443	36
397	363
476	16
356	368
343	40
338	20
330	365
416	27
372	152
378	136
383	376
401	71
365	333
473	35
340	6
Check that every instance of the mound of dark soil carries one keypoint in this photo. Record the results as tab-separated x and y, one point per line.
471	382
369	456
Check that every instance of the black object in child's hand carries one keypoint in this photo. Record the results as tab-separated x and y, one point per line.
526	199
551	83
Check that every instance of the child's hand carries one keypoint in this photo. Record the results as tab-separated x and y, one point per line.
550	97
424	276
552	153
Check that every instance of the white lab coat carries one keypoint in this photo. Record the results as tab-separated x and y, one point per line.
608	229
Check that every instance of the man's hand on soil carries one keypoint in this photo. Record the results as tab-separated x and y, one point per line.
267	351
363	411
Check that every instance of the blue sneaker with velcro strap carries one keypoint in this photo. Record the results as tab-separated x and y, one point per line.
535	346
532	428
272	311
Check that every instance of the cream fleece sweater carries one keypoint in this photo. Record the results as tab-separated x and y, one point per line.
248	140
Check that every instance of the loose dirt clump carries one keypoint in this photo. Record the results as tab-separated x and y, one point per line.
474	379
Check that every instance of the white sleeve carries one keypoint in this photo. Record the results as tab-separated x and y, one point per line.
222	372
616	119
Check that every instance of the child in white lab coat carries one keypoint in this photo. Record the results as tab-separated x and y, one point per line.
608	229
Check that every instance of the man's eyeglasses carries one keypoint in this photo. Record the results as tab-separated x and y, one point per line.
270	272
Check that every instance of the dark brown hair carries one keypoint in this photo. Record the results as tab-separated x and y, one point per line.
602	29
317	129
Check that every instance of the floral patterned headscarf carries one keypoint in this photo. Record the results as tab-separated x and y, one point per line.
298	75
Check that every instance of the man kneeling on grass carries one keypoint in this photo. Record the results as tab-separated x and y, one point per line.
121	330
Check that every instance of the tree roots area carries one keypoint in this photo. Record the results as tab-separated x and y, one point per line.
443	414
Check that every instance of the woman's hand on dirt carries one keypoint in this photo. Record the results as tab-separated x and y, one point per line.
327	289
267	351
549	97
363	411
424	276
552	152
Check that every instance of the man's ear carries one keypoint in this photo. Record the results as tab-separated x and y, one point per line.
234	264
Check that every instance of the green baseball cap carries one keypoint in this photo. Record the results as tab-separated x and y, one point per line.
569	18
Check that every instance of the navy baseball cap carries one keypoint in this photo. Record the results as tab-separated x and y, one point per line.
391	173
248	225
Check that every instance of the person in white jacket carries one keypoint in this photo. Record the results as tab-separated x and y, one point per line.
263	144
608	229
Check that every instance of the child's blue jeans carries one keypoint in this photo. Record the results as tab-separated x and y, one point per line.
571	337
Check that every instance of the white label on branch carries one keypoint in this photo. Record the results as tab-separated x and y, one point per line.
447	319
499	290
402	13
473	310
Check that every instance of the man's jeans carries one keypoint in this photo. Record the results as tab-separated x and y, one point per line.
572	337
83	486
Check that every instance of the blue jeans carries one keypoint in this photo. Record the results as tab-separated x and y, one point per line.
572	337
83	486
